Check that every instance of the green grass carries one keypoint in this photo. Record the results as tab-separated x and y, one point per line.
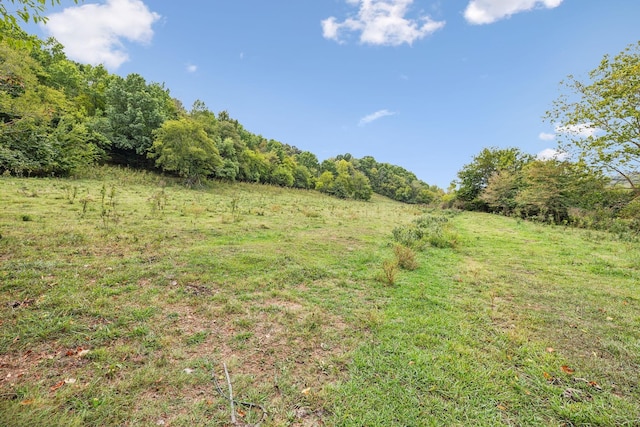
135	299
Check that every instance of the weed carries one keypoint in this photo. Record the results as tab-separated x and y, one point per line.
70	191
433	230
389	271
311	214
405	257
234	205
108	205
85	204
197	338
158	202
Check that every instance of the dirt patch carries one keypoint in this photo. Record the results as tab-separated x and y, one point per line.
27	366
277	348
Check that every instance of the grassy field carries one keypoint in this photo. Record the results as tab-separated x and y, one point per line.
122	297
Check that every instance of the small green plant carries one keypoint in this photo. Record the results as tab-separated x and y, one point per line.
85	204
408	235
389	271
310	214
108	205
197	338
158	202
235	208
70	192
433	230
405	257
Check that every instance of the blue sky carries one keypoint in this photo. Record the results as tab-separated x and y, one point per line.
418	83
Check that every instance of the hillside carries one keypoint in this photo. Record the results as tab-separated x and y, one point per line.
123	294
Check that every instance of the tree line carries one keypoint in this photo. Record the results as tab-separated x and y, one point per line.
59	118
595	179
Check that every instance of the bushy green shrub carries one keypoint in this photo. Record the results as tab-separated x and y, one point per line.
405	257
433	230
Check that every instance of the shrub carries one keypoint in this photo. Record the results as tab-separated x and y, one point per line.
433	230
389	270
408	235
405	257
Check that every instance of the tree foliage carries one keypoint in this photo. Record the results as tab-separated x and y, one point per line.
61	117
21	11
134	111
599	119
182	146
474	177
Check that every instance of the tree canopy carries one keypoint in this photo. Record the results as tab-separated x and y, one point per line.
598	120
59	117
474	177
21	11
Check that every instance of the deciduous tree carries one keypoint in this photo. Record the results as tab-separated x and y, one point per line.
598	120
473	178
182	146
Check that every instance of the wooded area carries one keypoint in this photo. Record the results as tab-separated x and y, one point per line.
59	118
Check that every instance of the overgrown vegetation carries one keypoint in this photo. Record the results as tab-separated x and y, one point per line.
427	230
592	181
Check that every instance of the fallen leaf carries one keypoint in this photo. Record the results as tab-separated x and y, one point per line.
240	413
27	402
550	350
70	381
412	362
57	386
502	408
567	370
83	353
547	376
609	318
74	352
306	390
188	370
595	385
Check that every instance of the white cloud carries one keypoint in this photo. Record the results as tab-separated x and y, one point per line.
584	130
94	33
547	136
381	22
375	116
489	11
551	154
192	68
